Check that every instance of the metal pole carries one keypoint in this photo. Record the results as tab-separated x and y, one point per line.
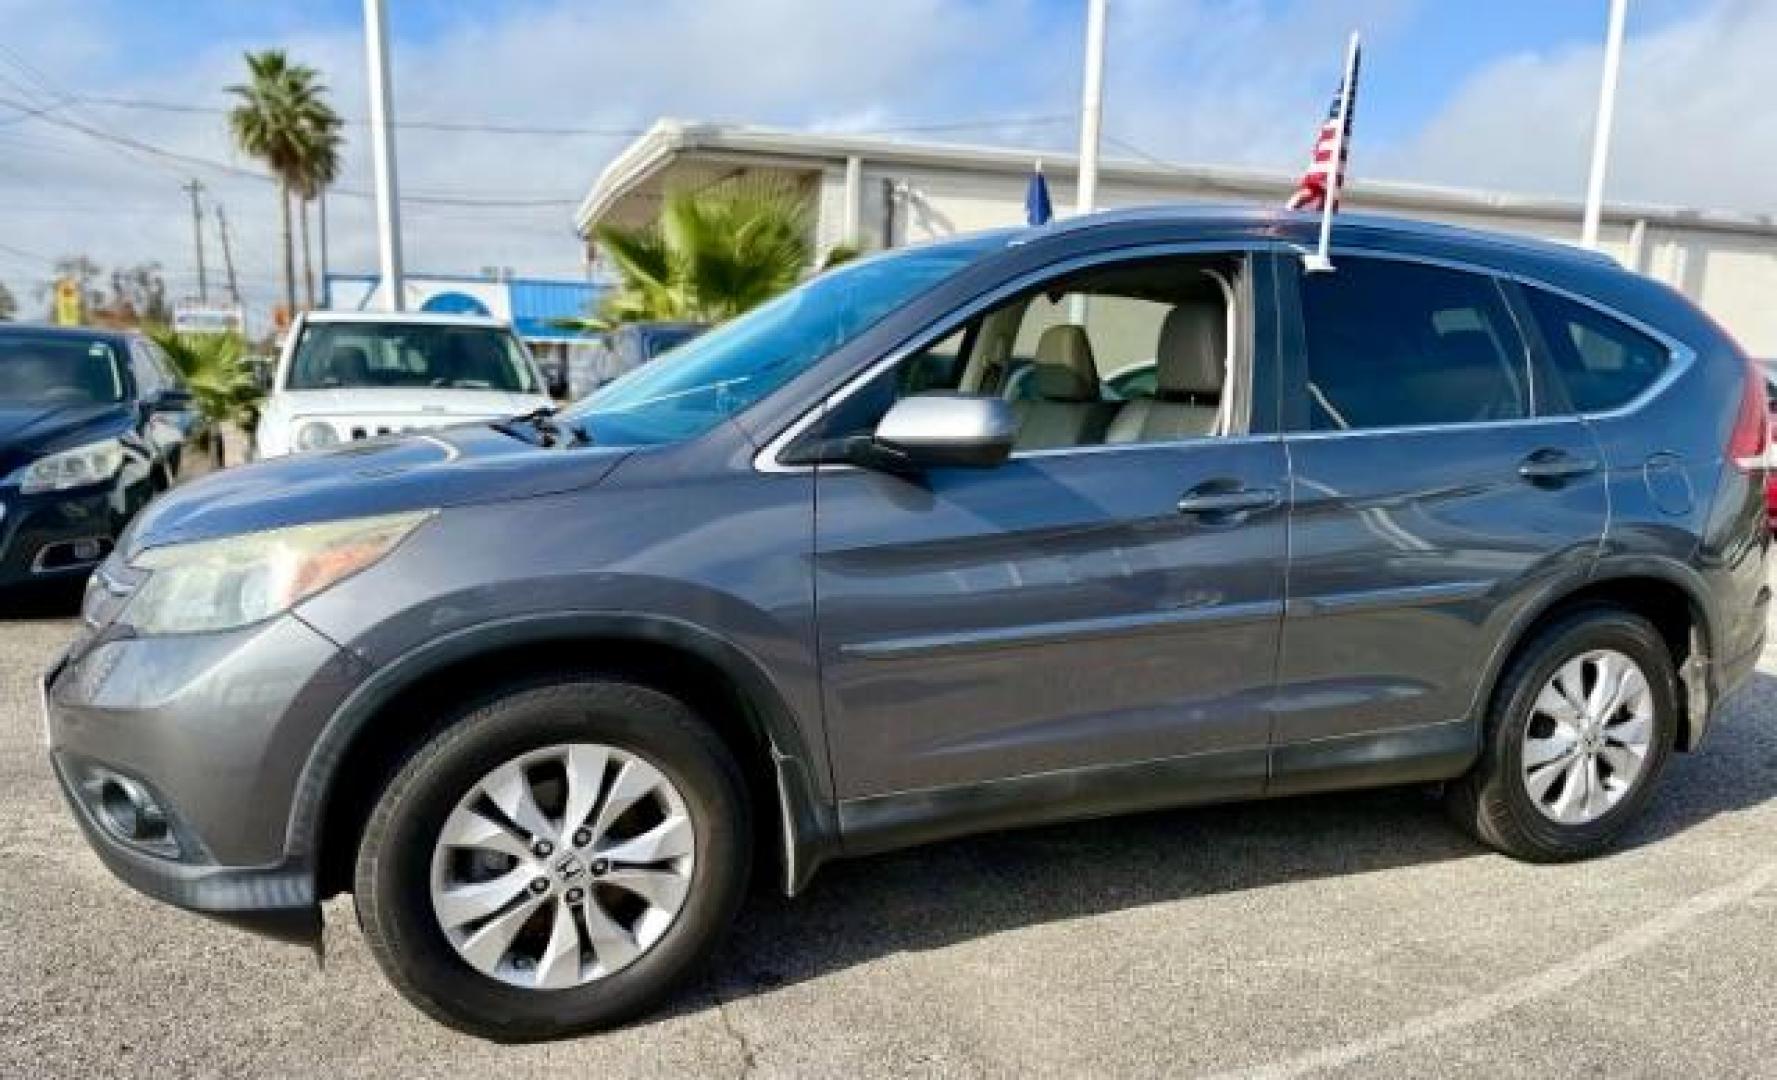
854	200
326	286
194	187
1322	261
1091	107
234	287
382	151
1607	104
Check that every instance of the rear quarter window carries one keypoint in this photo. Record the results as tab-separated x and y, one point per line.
1604	362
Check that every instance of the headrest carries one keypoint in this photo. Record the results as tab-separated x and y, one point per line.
1064	369
349	362
1193	348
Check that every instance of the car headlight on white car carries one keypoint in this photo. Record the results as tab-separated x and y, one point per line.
316	435
78	466
211	585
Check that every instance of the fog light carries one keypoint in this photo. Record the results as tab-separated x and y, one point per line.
129	813
68	554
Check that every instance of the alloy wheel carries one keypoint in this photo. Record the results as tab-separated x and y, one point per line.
1590	733
563	866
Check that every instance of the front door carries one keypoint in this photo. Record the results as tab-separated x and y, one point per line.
1111	599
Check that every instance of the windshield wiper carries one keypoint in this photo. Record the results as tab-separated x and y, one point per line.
537	427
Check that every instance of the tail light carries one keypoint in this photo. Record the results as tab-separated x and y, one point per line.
1752	424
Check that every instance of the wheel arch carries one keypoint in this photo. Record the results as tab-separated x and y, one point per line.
366	740
1670	596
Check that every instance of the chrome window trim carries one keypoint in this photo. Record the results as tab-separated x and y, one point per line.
1430	429
1681	356
766	459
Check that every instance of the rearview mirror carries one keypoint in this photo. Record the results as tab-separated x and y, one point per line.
945	429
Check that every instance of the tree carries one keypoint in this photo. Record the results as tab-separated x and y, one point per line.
81	270
138	297
711	255
215	370
319	172
9	306
283	120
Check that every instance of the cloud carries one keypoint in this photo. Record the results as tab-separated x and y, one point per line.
1694	120
1236	81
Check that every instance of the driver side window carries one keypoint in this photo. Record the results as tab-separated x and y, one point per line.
1129	353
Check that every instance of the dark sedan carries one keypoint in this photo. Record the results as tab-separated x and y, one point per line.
93	423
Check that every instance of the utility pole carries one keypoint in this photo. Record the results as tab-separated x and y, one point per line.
382	151
194	188
326	289
234	288
1607	101
1091	107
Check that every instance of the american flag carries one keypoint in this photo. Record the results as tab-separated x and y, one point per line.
1311	190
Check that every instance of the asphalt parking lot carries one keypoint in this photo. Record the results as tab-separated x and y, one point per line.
1348	935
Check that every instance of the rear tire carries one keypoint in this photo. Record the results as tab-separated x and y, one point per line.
398	874
1574	804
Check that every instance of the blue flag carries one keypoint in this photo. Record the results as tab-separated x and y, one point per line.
1037	209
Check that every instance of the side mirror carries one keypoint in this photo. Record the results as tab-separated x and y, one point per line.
943	429
172	399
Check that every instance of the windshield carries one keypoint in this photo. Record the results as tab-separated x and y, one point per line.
405	356
701	383
59	370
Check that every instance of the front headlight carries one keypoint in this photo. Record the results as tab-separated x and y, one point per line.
316	435
93	463
220	584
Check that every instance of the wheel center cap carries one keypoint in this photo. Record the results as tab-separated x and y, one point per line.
568	869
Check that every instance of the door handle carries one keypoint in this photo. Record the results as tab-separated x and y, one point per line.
1553	466
1238	501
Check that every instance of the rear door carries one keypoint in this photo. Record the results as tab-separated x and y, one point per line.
1433	492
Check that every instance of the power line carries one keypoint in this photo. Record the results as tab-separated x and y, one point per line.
498	128
57	97
32	255
252	174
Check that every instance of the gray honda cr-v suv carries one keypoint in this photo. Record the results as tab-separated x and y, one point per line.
1467	510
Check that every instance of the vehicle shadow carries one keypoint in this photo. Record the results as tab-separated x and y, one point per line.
59	600
932	897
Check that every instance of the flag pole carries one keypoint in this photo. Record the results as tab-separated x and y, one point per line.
1321	260
1091	109
1607	100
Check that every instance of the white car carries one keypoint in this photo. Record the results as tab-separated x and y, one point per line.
356	375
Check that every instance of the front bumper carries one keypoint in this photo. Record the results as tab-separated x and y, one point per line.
58	535
277	901
213	730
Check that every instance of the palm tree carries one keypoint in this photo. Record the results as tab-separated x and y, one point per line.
319	172
214	368
282	120
712	254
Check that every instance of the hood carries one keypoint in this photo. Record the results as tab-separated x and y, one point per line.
28	430
468	404
449	467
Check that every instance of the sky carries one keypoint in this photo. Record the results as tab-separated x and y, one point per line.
107	107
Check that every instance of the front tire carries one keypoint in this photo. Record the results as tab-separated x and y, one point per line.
1579	731
558	860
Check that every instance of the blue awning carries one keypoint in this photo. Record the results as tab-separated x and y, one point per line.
538	304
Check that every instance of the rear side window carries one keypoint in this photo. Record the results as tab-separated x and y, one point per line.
1398	344
1603	362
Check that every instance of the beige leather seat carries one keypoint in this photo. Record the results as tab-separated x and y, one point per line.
1068	409
1192	348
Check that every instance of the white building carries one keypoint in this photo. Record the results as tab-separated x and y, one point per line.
882	192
